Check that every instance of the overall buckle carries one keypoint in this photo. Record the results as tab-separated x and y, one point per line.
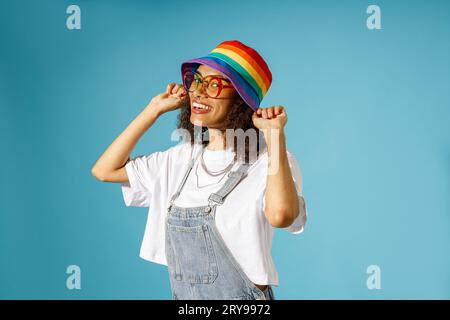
215	198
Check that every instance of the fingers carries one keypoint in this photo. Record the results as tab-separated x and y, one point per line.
170	87
270	112
278	110
262	112
175	89
182	92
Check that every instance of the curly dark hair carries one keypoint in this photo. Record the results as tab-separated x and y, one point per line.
239	117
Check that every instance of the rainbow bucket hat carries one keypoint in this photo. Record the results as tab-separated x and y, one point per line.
242	65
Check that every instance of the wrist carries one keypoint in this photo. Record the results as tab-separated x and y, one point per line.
274	137
272	132
153	109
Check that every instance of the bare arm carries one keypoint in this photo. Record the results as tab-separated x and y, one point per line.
282	203
110	167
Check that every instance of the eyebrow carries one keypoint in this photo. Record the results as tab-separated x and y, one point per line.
214	75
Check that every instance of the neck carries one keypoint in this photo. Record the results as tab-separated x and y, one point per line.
216	139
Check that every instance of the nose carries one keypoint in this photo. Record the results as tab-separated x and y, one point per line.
200	91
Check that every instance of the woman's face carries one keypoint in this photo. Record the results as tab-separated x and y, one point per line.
214	111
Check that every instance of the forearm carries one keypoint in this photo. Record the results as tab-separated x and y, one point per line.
118	152
281	200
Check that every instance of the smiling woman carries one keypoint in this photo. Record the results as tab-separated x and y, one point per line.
214	207
215	106
210	94
214	87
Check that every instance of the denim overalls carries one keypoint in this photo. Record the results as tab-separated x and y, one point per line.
200	265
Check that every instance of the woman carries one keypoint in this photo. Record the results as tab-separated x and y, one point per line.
214	202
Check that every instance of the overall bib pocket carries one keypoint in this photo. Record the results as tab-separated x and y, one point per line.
192	253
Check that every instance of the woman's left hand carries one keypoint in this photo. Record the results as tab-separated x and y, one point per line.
270	118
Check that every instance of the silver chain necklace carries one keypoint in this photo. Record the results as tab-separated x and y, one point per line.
212	173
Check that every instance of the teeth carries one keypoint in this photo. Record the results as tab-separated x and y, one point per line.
201	106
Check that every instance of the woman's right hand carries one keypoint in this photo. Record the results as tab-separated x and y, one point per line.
173	98
110	167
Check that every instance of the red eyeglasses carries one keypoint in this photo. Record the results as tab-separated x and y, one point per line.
213	85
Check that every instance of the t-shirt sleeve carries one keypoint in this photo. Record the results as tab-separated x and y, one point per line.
143	174
298	225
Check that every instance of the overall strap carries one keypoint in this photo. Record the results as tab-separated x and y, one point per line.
234	177
186	175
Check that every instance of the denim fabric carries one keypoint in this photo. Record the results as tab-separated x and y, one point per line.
200	265
268	292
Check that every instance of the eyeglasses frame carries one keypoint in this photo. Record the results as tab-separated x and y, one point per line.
221	85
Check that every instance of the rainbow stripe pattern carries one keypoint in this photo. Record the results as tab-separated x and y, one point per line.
242	65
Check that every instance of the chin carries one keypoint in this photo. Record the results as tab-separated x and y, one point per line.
196	121
203	121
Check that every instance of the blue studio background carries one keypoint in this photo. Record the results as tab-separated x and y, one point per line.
368	112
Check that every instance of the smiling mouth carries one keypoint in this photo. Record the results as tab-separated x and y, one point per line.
200	108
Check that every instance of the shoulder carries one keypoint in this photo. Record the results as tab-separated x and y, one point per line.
180	149
165	157
179	154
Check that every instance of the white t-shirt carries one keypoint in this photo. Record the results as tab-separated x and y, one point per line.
154	178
